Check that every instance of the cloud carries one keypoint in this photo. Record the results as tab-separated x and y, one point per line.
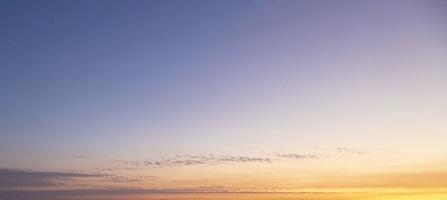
91	193
125	193
189	160
346	150
302	156
385	182
105	192
17	178
337	153
212	159
22	178
127	179
81	157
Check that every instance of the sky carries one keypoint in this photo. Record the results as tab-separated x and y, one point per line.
223	99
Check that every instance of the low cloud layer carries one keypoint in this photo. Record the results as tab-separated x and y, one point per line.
23	178
386	183
129	193
106	193
20	179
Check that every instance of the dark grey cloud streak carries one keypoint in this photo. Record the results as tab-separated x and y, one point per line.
22	178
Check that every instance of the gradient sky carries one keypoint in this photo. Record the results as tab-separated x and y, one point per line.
215	96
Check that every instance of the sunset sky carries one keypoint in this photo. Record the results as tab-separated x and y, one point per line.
223	100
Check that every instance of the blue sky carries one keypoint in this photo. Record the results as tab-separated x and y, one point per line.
94	75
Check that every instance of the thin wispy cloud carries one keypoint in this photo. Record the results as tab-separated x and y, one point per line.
337	153
213	159
346	150
190	160
81	157
303	156
128	179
